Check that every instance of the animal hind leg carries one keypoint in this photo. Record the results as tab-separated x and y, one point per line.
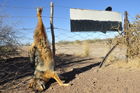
56	77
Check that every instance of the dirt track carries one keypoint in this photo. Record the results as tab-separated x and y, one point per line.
81	72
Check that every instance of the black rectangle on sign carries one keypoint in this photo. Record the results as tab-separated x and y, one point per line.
90	25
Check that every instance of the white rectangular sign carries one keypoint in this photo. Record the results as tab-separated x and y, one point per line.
93	20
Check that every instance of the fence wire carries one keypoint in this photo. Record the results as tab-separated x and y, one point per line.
16	72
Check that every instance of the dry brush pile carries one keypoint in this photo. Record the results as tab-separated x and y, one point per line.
129	40
8	41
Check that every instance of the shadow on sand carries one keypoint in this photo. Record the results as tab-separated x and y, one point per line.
19	67
14	68
69	60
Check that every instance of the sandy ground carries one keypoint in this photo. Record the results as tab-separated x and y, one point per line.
82	73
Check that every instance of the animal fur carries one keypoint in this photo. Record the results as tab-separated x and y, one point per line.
44	69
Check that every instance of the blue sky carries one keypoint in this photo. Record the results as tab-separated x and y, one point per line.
24	16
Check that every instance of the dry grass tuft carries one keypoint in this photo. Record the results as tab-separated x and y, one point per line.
86	48
122	63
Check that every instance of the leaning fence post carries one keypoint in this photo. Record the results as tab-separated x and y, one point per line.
52	28
110	51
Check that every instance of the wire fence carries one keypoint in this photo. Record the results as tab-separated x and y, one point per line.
16	72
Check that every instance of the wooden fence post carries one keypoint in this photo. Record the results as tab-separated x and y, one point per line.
126	27
52	28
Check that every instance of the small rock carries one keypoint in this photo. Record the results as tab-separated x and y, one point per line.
95	79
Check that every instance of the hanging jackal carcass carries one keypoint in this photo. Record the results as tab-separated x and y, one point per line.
42	57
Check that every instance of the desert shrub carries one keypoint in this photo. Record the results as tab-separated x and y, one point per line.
77	42
129	41
86	48
64	42
132	39
8	40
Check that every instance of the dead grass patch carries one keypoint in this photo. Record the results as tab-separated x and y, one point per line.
122	63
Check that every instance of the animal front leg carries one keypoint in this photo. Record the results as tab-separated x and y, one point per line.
32	52
32	47
32	82
37	85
